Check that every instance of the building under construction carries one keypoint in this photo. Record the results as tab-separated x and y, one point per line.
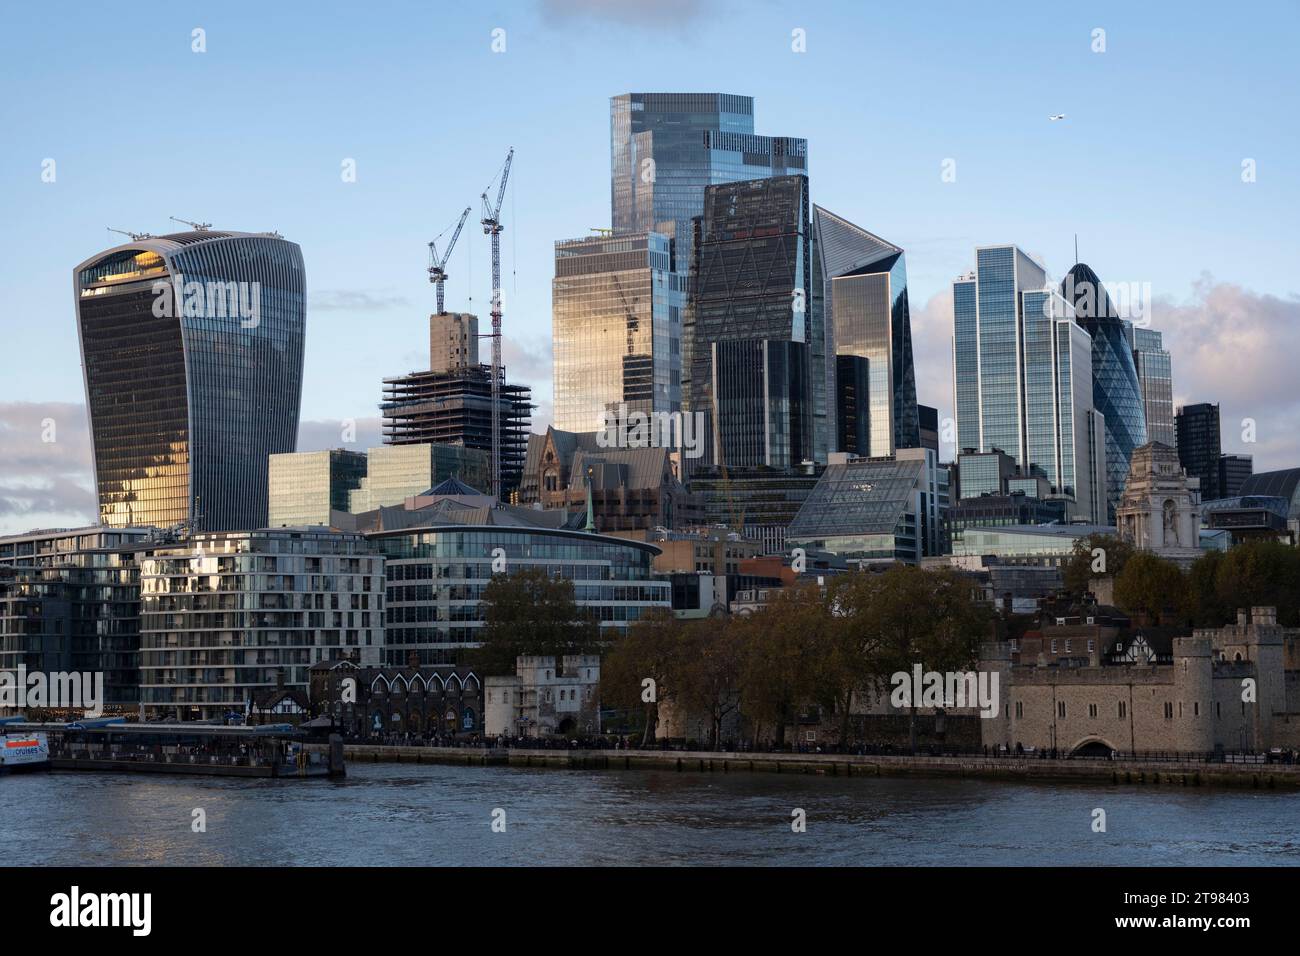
454	407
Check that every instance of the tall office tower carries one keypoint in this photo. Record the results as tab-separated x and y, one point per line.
1116	392
928	418
1023	377
752	281
305	486
759	416
1233	472
665	148
616	320
453	341
1155	376
191	348
1199	446
866	314
853	405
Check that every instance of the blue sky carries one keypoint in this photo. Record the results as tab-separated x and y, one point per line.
251	134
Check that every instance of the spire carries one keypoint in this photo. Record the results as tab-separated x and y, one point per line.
591	511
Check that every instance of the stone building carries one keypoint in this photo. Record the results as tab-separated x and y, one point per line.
379	701
543	699
1160	510
1231	689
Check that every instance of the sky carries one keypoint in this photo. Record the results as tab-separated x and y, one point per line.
252	133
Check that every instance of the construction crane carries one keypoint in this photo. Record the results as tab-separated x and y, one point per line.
438	264
196	226
135	236
492	227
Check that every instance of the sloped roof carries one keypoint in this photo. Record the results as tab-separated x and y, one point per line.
644	467
863	497
846	248
1276	484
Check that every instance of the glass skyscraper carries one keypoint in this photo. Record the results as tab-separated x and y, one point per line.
1024	377
1156	378
191	347
665	148
866	314
306	486
617	309
752	280
1116	392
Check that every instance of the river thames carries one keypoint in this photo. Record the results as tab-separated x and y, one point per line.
402	814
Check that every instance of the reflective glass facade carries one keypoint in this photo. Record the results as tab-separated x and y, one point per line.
1024	376
1116	393
665	148
759	404
436	578
193	382
1199	446
752	280
1156	378
305	486
867	314
617	309
397	472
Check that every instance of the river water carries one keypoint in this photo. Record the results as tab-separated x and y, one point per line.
403	814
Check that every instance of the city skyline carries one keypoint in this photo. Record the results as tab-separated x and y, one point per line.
370	243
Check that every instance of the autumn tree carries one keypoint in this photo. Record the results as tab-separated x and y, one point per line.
1151	589
708	682
530	613
779	647
1095	556
650	651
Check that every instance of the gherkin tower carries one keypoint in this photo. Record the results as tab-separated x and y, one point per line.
1115	389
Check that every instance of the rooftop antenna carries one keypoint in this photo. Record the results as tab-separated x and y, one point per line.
196	226
1076	247
135	236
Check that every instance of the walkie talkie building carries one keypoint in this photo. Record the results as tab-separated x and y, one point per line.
191	348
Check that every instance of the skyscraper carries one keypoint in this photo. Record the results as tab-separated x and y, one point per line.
1199	446
1023	377
305	486
191	346
1116	392
616	319
866	314
665	148
1155	376
752	281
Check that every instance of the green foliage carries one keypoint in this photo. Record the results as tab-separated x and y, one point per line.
1151	589
531	613
1078	572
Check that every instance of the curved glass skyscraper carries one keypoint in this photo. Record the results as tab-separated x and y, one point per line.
191	347
1116	392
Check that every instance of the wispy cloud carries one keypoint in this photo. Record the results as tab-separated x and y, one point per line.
353	300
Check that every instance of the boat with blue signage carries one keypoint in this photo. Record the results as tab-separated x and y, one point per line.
22	751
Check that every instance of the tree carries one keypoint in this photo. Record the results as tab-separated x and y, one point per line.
777	646
1260	574
651	650
926	617
531	613
1202	606
845	648
1095	556
1151	588
709	678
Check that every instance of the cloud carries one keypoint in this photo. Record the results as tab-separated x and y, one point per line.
669	14
527	360
45	470
1237	348
1228	345
351	300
